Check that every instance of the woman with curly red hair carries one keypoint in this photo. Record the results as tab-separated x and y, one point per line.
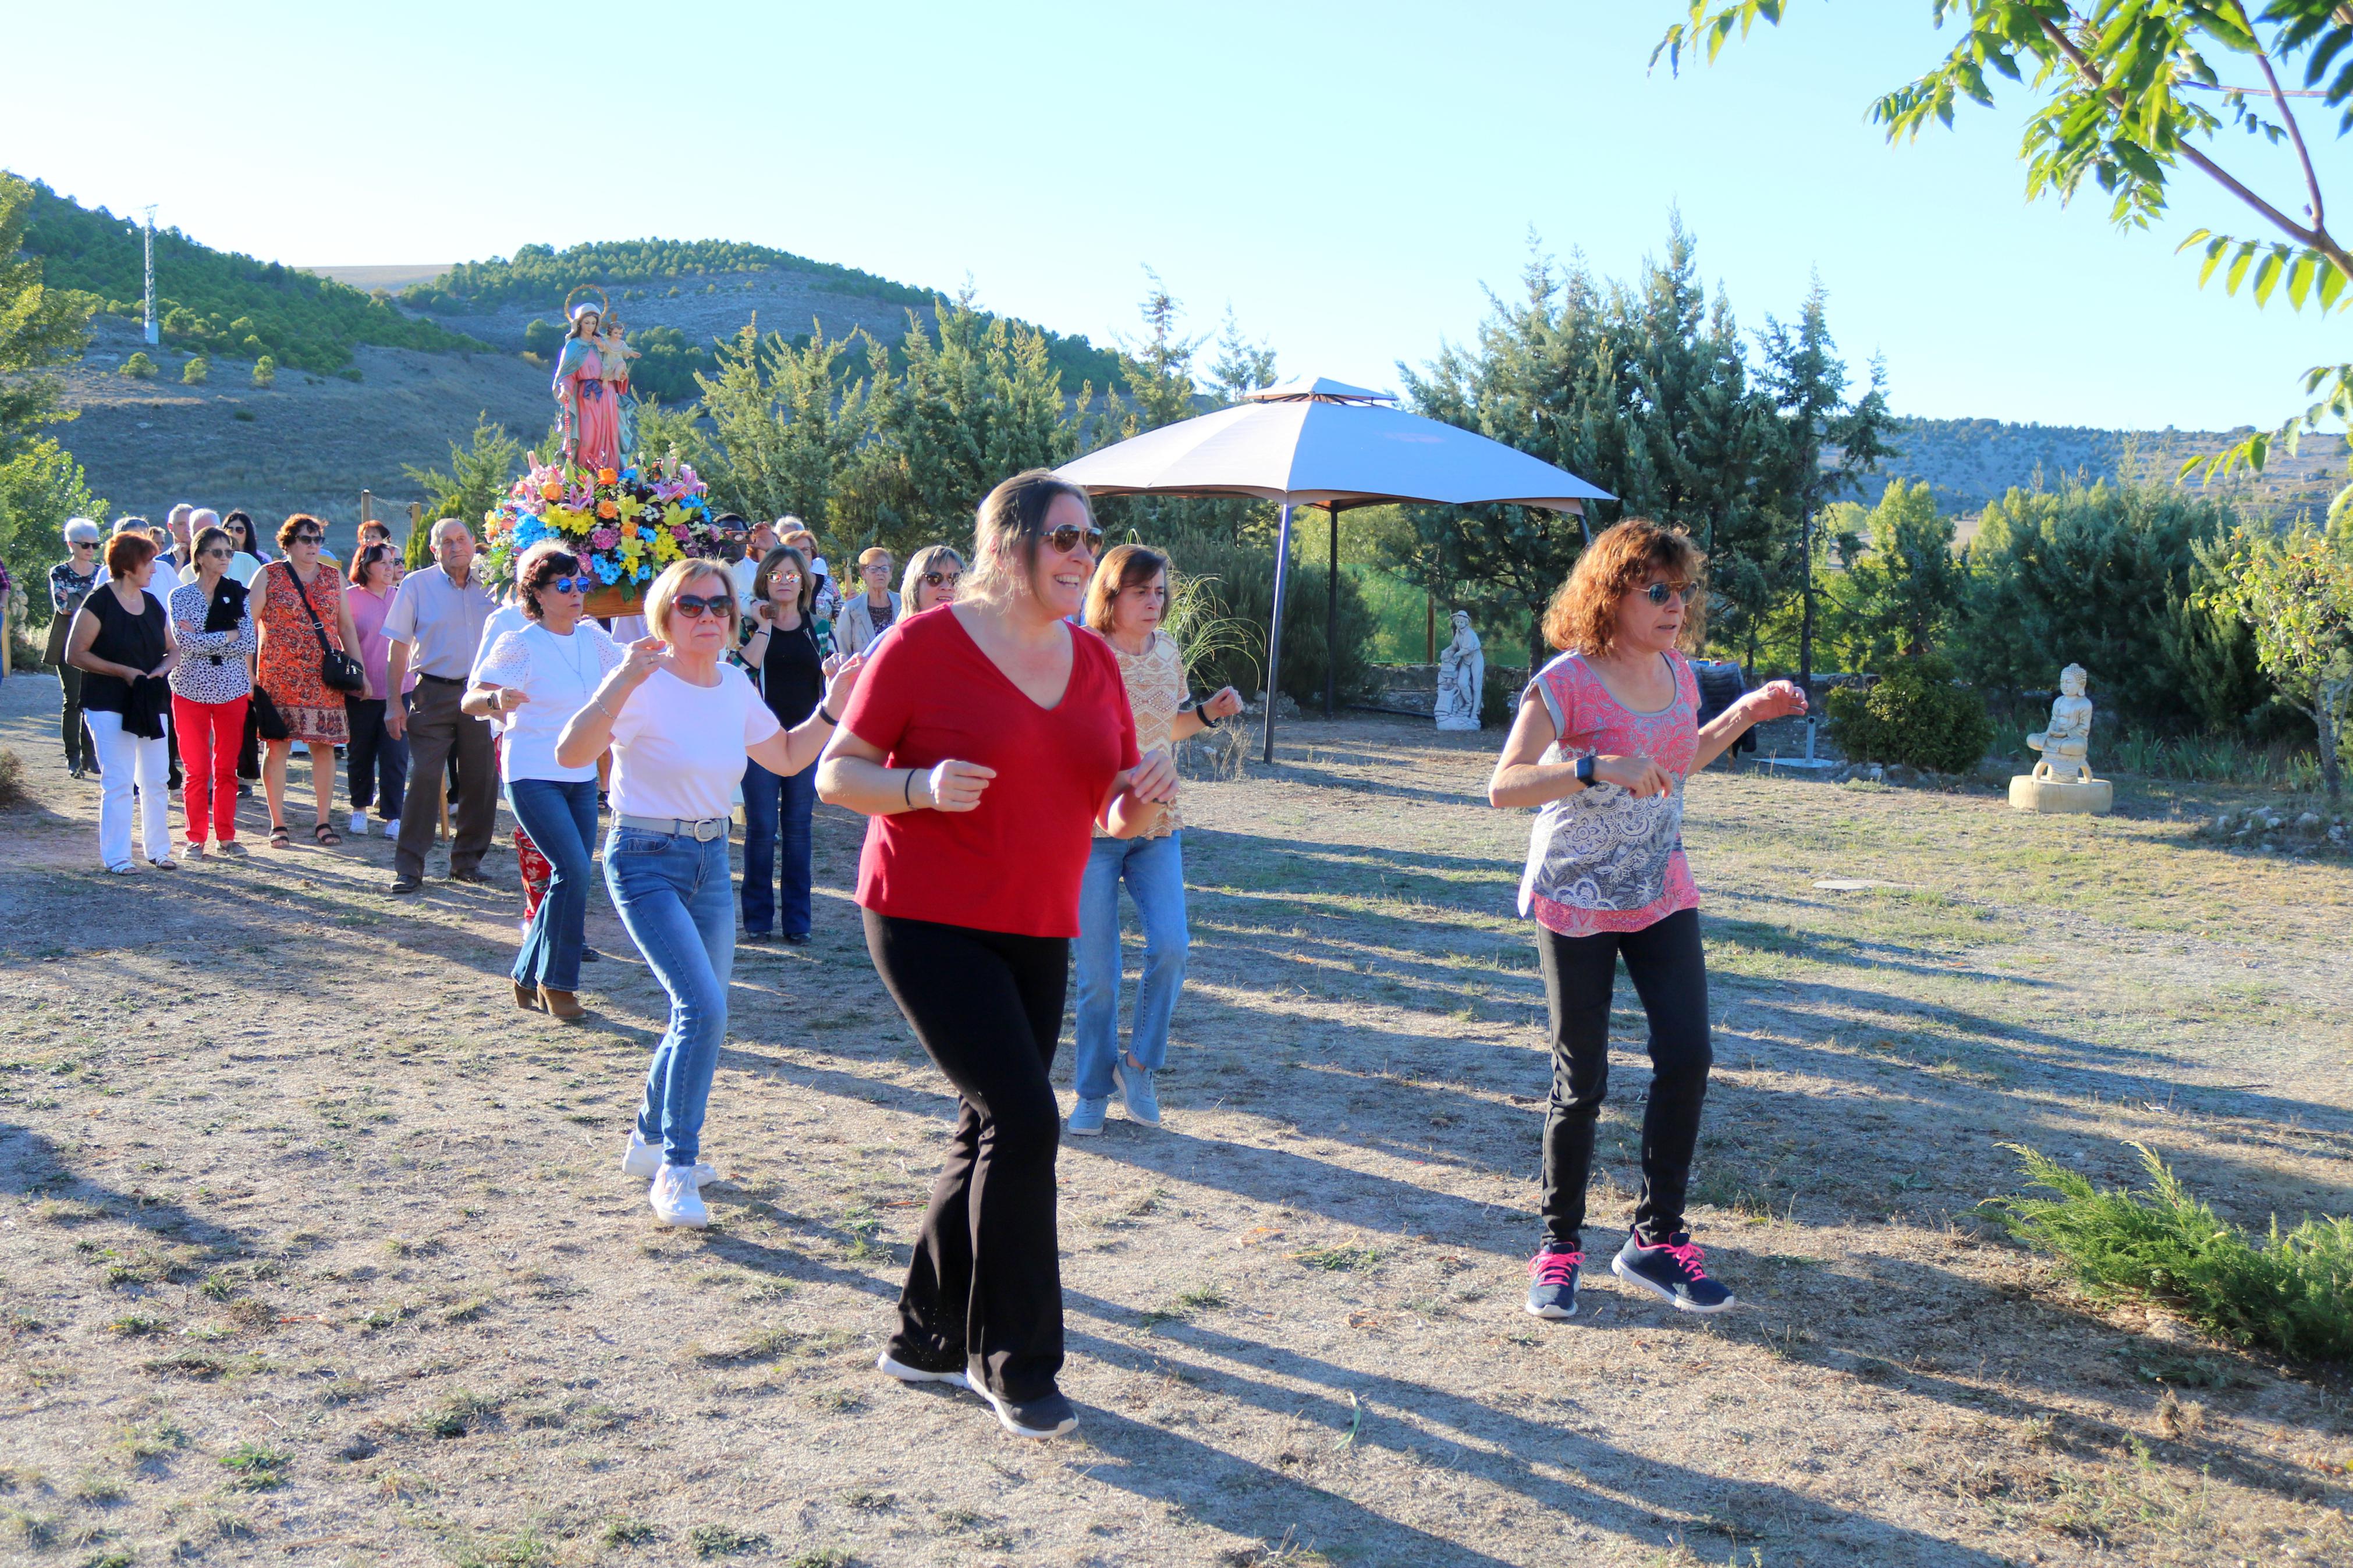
1605	737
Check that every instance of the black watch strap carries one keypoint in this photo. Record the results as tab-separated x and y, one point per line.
1585	770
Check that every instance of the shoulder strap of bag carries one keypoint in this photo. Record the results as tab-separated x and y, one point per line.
317	630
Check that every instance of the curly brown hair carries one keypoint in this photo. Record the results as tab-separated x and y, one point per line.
1583	615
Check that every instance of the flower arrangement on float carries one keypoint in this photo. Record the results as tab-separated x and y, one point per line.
626	523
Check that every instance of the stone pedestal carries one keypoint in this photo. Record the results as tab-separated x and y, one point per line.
2095	797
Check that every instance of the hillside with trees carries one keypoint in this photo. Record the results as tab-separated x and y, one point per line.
1968	463
220	303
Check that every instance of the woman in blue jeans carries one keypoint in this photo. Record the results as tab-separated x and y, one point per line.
681	723
780	642
1124	604
529	682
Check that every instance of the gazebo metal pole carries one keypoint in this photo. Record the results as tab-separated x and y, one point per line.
1274	632
1332	620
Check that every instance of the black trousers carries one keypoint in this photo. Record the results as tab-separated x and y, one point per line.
81	749
1670	974
984	1293
438	732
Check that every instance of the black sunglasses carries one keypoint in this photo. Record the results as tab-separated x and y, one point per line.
935	579
306	538
694	606
1066	538
218	553
1659	593
83	543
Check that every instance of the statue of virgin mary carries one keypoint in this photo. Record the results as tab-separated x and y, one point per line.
587	411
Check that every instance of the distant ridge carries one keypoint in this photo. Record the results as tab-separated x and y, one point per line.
1969	462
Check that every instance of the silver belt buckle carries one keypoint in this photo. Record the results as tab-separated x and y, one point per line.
709	828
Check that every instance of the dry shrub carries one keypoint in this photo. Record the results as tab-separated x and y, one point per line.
12	779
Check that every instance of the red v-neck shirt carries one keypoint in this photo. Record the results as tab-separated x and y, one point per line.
1013	863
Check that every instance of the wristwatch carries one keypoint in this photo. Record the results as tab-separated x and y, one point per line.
1585	770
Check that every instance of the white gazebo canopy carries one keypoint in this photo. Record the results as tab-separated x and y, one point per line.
1313	441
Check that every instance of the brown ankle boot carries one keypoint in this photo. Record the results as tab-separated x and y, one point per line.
562	1005
525	997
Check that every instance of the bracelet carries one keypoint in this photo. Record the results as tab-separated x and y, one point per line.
597	701
831	721
908	793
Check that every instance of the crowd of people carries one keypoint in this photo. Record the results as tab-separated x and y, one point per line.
1007	725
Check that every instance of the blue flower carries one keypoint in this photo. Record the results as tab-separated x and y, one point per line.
606	569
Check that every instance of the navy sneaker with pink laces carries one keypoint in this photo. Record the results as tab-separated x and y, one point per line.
1671	1269
1552	1283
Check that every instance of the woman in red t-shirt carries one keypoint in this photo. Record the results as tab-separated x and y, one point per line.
985	741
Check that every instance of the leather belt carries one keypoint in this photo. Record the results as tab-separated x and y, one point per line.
442	679
702	830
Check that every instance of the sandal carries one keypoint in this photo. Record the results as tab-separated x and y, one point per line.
327	836
278	837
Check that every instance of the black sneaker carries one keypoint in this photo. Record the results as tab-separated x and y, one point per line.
1552	1283
1670	1269
796	939
590	955
1048	1416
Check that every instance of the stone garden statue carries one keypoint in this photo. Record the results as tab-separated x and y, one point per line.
1462	676
2064	744
2062	780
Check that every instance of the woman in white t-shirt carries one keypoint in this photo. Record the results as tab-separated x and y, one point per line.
681	723
529	682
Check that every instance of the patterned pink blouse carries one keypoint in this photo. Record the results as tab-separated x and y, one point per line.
1600	859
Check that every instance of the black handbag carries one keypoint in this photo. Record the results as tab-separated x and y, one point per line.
339	669
268	723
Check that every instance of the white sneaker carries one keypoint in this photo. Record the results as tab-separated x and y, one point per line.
359	824
644	1160
674	1199
392	829
906	1374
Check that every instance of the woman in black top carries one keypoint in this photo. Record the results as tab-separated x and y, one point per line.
781	648
122	642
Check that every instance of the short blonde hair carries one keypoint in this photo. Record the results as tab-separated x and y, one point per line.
674	581
871	554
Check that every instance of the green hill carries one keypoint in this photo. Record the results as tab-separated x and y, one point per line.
218	302
1969	462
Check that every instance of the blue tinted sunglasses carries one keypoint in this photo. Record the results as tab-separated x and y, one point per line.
580	584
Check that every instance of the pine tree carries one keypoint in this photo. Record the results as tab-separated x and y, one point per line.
40	327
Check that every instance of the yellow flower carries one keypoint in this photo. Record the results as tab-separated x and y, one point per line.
631	506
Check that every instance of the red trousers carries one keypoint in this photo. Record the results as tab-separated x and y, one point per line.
209	735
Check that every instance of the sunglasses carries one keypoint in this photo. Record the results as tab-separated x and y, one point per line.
1659	593
580	584
694	606
944	579
218	554
1066	538
83	543
306	538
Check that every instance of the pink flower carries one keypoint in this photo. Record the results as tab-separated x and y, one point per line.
605	538
679	535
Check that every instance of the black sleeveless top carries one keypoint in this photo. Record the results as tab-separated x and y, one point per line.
792	675
123	638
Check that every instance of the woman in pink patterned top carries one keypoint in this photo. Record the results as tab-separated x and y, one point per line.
1606	735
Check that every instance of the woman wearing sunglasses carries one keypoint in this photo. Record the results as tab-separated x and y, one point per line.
299	605
985	743
529	683
70	580
1605	737
211	686
375	764
682	723
780	646
933	574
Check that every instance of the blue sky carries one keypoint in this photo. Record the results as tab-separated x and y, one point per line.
1347	177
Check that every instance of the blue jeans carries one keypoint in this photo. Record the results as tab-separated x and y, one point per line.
1154	869
560	814
673	896
776	813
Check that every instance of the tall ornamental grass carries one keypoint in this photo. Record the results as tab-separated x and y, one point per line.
2291	1293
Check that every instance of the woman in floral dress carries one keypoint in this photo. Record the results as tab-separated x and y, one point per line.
312	711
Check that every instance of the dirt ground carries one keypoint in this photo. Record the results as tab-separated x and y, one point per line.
314	1249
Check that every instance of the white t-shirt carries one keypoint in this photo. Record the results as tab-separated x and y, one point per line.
558	675
679	750
504	619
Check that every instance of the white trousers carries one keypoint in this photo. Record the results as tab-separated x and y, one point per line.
125	760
